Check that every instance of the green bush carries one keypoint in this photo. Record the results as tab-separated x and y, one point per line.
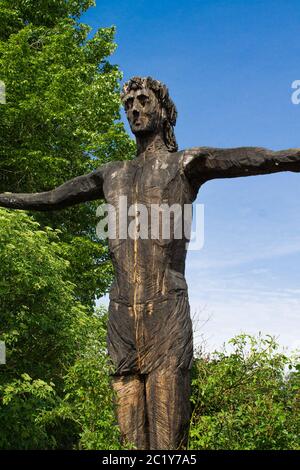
54	389
246	399
88	400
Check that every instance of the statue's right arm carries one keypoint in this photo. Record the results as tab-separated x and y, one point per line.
81	189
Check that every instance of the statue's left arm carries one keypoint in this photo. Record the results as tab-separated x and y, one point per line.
205	163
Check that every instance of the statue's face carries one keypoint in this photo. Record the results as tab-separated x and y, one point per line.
143	110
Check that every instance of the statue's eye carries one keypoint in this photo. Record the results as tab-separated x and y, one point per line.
128	103
143	99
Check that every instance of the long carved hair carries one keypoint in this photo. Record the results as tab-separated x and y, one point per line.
162	93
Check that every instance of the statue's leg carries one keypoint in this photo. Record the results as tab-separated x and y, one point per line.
168	408
131	410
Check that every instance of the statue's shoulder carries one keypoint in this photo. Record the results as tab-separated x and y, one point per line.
112	167
172	158
182	158
191	154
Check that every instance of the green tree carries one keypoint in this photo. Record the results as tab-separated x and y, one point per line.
246	399
60	120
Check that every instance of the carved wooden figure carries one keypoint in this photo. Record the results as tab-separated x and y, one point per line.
150	331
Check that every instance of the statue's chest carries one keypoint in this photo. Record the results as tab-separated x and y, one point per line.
153	182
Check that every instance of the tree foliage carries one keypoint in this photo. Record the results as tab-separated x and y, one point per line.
61	118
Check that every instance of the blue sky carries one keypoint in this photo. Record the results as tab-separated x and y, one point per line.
229	66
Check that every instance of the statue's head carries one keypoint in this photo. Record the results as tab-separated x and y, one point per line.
149	109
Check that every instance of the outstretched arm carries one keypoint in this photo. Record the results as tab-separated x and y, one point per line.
81	189
204	163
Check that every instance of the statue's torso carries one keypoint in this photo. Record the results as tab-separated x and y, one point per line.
142	265
149	286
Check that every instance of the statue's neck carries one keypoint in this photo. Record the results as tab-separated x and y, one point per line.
150	144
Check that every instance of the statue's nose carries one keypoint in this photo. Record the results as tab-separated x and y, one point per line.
135	113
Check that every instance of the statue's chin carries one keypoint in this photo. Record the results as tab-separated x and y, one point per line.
140	131
143	130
